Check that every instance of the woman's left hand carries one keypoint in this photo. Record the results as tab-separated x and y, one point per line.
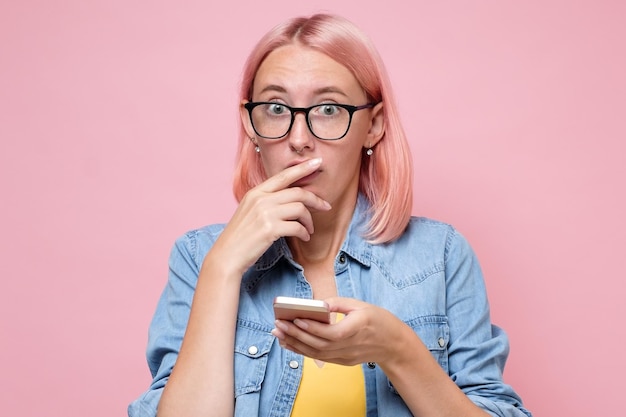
367	333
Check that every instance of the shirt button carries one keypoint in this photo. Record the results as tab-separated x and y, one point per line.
441	342
253	350
294	364
342	259
371	365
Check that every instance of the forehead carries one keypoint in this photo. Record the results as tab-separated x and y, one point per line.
298	69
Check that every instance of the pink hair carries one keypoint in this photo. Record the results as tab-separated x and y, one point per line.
386	176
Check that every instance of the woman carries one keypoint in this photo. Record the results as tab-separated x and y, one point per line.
324	190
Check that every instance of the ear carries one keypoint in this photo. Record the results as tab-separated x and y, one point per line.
245	121
377	125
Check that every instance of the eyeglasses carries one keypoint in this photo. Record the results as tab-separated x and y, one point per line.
328	121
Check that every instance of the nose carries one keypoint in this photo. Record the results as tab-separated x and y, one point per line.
300	135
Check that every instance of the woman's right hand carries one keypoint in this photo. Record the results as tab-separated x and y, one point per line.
267	212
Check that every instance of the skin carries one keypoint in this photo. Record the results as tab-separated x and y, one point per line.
308	198
301	77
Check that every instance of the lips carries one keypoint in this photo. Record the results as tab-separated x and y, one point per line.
306	180
294	163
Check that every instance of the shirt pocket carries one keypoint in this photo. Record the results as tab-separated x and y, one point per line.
434	333
252	347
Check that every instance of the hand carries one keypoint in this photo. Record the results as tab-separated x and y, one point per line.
269	211
366	334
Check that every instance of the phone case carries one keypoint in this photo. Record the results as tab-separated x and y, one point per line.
290	308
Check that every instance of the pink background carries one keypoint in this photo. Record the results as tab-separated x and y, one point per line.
117	128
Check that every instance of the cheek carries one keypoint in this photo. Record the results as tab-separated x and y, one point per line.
359	133
269	165
273	158
345	161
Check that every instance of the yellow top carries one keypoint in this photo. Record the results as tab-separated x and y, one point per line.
330	390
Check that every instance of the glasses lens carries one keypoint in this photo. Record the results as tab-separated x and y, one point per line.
328	121
271	120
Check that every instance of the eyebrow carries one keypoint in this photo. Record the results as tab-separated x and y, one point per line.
280	89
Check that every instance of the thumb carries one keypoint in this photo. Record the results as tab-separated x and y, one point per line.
344	305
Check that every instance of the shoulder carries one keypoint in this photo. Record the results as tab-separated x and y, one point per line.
426	231
428	226
424	241
210	232
197	242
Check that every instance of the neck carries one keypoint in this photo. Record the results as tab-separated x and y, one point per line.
330	231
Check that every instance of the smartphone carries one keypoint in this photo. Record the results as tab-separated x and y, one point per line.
291	308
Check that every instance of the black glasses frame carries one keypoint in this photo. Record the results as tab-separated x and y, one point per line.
306	110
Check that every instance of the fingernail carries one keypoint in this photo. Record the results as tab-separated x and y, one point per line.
315	161
280	325
301	324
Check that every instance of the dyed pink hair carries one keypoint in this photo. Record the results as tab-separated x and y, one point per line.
386	176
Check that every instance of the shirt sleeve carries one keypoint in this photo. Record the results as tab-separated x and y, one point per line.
478	350
169	323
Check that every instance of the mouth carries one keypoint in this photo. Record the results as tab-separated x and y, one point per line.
306	180
298	162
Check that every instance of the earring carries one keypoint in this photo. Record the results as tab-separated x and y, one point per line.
369	151
257	149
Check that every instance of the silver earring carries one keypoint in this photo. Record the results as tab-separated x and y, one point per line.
257	149
369	152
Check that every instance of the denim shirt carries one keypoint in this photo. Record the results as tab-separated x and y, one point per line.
429	278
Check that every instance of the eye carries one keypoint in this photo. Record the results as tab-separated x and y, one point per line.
327	110
277	109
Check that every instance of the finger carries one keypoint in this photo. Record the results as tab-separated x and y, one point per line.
276	332
293	229
275	221
344	305
290	175
296	334
264	202
271	213
258	196
310	200
296	212
341	356
339	333
305	343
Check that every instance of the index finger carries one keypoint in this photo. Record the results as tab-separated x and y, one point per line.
290	175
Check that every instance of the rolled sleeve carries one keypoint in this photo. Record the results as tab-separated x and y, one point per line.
478	350
169	322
